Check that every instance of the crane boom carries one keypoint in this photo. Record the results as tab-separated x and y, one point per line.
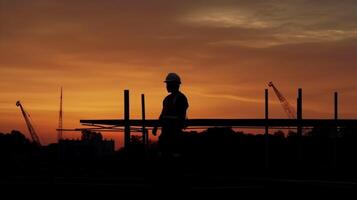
31	129
289	110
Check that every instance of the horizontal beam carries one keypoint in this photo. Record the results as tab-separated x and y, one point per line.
233	122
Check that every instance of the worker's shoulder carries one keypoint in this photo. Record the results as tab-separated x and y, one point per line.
179	96
182	95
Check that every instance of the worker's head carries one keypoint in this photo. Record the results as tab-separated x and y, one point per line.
173	82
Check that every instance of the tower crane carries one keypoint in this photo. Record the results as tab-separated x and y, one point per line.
32	131
289	110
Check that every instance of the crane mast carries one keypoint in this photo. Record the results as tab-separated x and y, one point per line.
31	129
289	110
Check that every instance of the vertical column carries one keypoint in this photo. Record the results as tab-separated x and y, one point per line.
299	128
126	120
335	137
299	112
336	106
266	128
145	141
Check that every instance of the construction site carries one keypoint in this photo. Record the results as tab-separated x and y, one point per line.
214	154
150	98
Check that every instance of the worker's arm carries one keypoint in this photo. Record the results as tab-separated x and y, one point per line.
154	130
182	115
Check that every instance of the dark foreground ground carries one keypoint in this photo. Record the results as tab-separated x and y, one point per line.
175	177
219	161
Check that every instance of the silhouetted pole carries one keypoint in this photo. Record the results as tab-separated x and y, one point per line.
60	119
266	128
336	106
266	107
126	120
335	138
299	128
299	111
145	141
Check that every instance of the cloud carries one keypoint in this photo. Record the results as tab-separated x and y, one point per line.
230	97
279	22
320	36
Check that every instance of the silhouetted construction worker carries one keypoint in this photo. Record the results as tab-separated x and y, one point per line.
173	116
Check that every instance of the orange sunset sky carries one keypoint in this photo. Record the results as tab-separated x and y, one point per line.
225	51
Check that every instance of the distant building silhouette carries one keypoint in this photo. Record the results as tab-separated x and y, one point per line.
91	145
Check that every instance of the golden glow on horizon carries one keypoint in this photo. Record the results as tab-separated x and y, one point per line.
225	52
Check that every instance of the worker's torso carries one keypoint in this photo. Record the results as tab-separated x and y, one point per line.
174	111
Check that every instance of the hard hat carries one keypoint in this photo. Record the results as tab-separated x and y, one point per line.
173	77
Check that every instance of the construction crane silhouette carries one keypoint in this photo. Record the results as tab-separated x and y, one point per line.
32	131
289	110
